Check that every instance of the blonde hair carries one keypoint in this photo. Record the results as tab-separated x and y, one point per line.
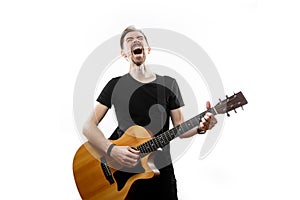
130	29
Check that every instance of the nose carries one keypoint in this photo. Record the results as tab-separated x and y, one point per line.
136	41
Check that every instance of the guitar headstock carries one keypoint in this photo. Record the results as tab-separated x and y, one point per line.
231	103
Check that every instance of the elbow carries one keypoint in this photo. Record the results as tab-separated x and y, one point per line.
86	129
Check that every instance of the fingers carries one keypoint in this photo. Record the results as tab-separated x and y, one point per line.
133	150
126	156
132	157
207	122
208	106
213	122
204	124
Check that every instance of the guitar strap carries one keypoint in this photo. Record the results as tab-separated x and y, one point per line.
161	100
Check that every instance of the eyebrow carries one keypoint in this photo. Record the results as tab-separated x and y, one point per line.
139	37
129	38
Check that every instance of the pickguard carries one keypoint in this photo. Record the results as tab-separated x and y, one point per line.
121	176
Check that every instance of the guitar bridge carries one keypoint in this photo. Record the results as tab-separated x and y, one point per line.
106	171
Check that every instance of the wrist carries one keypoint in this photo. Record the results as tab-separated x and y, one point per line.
108	152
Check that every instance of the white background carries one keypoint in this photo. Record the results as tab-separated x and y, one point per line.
254	45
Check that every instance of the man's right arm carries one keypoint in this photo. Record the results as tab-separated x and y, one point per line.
93	133
125	155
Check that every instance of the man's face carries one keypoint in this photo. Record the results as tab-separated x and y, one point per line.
134	47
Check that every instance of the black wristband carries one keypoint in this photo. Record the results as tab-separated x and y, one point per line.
200	132
109	149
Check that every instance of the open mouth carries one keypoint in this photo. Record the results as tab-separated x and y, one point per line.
137	50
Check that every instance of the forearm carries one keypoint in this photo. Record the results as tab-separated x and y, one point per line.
189	133
96	137
177	119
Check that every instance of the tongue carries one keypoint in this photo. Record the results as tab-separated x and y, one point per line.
137	51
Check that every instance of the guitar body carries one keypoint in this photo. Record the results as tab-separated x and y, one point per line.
99	177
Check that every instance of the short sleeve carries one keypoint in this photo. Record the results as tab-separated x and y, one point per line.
106	94
175	99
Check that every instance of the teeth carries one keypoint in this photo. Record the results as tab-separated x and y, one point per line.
134	48
137	45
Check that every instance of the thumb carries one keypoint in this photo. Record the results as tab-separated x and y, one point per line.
208	106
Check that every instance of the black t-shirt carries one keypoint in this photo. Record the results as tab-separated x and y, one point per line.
143	104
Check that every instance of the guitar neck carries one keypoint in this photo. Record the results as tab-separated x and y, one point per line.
230	103
165	138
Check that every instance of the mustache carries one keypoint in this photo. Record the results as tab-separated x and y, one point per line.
137	44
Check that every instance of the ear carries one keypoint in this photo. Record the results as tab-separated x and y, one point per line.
123	54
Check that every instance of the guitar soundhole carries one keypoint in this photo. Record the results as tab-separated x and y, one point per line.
121	176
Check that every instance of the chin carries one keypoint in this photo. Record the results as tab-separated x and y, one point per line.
139	63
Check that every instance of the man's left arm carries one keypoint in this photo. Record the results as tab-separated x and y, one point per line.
207	122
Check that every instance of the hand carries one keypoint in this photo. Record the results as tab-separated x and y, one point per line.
125	155
208	121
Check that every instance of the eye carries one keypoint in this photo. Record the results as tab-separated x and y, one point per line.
129	39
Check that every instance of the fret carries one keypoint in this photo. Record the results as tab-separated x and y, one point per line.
178	130
187	126
189	123
192	123
156	142
165	138
195	121
141	148
144	148
149	149
152	144
184	127
161	140
172	133
169	137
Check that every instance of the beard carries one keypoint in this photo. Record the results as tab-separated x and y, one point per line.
138	60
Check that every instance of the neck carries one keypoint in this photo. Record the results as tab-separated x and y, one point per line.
141	73
140	70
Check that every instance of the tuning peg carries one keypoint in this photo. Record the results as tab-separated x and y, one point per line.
220	100
242	107
227	98
234	110
228	115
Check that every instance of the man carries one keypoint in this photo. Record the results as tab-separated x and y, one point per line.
143	98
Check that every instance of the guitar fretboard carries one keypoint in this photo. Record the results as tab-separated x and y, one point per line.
164	139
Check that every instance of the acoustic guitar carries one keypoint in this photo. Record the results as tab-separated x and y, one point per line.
99	177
